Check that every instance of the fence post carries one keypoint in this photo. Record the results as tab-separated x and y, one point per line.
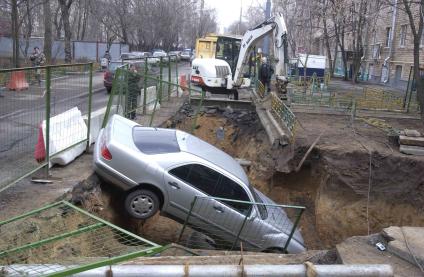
154	107
160	79
241	228
189	86
146	69
176	74
293	230
169	77
48	94
186	220
90	96
193	127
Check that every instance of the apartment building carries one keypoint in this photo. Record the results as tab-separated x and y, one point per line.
388	57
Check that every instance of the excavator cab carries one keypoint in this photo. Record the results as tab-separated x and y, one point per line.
228	49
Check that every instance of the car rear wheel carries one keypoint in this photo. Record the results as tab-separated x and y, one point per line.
142	204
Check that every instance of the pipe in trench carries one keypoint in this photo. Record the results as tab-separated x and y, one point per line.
360	270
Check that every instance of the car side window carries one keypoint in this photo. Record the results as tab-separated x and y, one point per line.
181	172
227	188
199	176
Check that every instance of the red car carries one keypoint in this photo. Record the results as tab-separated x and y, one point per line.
109	74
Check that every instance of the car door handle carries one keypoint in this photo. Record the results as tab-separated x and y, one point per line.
174	185
218	209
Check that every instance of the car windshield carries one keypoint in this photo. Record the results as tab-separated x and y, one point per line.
261	208
153	141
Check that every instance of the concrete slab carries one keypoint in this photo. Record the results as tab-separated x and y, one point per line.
406	242
414	141
412	150
359	250
230	257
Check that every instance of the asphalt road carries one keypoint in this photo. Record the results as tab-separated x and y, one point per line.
21	113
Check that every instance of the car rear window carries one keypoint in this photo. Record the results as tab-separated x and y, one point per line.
155	141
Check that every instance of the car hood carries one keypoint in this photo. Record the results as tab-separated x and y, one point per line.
278	218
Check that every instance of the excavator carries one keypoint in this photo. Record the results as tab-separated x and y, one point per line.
218	76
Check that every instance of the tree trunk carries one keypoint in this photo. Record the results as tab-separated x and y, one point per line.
418	81
47	31
15	34
65	7
327	44
28	32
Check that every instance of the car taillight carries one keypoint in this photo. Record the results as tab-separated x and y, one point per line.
105	152
197	79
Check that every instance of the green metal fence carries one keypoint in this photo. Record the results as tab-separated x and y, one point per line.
139	91
282	112
61	239
30	99
226	224
367	99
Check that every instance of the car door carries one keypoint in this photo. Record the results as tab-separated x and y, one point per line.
231	216
183	183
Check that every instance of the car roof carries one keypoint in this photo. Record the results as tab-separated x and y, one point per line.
200	148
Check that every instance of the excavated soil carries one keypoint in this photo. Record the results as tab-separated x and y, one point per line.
342	195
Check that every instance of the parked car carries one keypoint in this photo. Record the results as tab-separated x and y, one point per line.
128	56
164	169
186	55
113	65
110	73
175	55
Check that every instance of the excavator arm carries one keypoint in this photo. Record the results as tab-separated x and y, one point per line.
275	25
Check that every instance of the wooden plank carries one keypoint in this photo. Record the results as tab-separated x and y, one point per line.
415	141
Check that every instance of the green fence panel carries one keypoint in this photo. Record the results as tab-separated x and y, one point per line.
61	239
30	98
226	224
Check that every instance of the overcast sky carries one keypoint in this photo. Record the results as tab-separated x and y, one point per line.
228	11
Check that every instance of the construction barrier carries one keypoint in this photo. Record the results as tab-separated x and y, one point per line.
183	82
17	81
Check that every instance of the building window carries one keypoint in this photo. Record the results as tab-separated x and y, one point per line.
388	36
376	51
403	30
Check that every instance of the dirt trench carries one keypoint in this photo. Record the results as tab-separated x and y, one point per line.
333	183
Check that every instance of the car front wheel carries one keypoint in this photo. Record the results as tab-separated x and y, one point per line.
142	204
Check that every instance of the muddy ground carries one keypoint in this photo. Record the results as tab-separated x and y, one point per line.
342	195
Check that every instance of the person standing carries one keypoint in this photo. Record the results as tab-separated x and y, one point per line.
133	92
105	59
37	59
265	74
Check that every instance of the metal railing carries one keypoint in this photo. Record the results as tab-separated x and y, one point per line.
282	112
61	239
141	92
368	99
220	223
30	99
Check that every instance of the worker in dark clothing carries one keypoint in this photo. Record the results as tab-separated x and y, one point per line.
265	74
133	92
37	59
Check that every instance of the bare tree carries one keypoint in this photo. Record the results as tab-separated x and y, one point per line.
414	10
15	32
65	6
48	39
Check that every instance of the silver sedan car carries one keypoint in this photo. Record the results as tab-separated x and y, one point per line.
165	169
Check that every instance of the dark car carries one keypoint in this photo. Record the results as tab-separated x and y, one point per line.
109	74
110	71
